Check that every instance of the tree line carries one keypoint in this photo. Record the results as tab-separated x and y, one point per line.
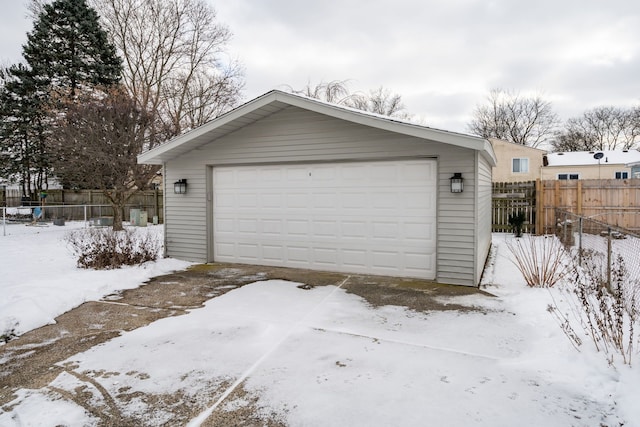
531	121
103	80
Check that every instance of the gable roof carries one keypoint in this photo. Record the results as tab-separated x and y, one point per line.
275	100
585	158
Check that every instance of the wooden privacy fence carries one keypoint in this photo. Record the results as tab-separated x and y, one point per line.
612	201
512	198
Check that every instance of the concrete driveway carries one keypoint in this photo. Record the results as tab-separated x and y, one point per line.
36	360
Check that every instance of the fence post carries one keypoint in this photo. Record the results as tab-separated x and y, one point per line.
156	201
609	258
538	208
4	220
580	241
85	216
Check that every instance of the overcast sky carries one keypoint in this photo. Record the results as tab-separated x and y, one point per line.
443	56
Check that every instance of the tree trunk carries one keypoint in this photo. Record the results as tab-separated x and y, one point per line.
117	216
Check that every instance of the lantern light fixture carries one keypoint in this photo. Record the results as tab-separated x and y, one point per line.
180	186
457	183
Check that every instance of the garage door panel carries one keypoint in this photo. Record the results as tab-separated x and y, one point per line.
376	217
272	227
226	250
419	231
248	252
271	201
247	201
298	254
353	200
247	226
385	259
327	200
385	200
270	175
222	200
224	176
354	229
326	229
273	253
297	200
386	230
352	258
297	228
324	173
297	175
326	256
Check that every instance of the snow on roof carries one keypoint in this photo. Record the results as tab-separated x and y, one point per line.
577	158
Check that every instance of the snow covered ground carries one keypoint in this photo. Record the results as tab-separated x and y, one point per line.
323	356
39	279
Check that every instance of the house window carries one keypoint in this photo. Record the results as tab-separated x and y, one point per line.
622	175
520	165
568	176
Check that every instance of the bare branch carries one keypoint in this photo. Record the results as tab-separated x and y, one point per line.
522	120
601	128
170	49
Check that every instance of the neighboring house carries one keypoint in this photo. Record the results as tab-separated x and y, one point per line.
605	164
635	170
516	162
286	180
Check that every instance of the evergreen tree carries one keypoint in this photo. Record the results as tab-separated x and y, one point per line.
66	54
23	129
68	48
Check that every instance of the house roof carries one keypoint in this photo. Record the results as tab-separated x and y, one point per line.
274	101
584	158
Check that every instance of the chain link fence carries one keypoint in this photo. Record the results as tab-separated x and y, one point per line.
96	215
603	244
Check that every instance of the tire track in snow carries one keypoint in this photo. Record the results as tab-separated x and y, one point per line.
407	343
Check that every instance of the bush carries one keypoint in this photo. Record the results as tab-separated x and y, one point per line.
103	248
606	312
542	261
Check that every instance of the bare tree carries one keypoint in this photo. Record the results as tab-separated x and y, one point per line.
175	63
601	128
335	91
522	120
96	143
379	101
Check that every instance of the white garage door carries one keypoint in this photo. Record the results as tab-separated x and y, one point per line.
361	217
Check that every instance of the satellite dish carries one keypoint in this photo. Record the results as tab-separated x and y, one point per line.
598	156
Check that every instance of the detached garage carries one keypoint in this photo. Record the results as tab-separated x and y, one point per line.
290	181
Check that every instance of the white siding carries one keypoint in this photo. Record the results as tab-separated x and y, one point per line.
483	227
456	220
297	135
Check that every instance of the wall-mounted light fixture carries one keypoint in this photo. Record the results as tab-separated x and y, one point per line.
457	183
180	186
